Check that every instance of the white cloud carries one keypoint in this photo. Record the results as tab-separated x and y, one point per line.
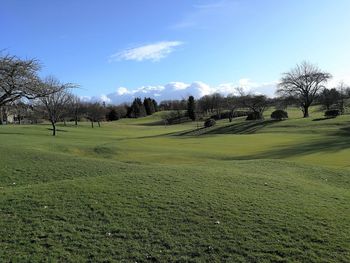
180	90
339	77
122	91
153	52
105	98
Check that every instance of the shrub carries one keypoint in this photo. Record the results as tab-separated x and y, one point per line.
239	113
220	116
332	113
279	115
254	116
209	123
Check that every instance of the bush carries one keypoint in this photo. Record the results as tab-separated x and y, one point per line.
209	123
279	115
240	113
332	113
254	116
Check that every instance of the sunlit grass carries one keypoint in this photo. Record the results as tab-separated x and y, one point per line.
130	191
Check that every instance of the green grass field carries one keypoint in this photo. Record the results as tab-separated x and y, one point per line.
134	191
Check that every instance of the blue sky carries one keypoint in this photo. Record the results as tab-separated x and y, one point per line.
161	48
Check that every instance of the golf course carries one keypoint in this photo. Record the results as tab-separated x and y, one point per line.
136	190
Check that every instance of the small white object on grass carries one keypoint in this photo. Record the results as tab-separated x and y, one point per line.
265	183
13	183
45	206
109	234
217	222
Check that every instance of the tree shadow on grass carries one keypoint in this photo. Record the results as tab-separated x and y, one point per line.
12	133
245	127
322	119
330	144
154	123
58	130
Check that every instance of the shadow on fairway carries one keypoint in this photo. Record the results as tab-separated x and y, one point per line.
245	127
322	119
333	143
57	130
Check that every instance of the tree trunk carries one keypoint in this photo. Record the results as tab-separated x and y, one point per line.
99	125
76	121
92	124
64	122
53	129
306	111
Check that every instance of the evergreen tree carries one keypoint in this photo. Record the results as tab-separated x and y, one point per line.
155	105
112	115
149	106
137	109
191	108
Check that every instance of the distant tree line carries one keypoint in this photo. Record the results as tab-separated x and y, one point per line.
29	99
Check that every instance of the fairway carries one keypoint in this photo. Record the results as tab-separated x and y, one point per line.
135	191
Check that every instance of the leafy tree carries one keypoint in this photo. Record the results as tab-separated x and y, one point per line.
191	108
305	81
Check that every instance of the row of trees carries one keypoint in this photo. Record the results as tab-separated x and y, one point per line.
303	86
23	92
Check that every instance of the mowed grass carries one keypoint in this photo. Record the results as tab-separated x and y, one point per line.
132	191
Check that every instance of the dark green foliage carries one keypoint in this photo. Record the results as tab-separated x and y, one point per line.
149	106
279	115
191	108
137	109
112	115
329	97
209	123
155	105
221	115
254	116
332	113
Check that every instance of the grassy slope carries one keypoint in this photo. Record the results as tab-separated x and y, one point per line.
136	192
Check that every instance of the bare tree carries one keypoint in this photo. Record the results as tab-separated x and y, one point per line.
344	94
305	81
76	107
18	79
56	100
256	103
95	112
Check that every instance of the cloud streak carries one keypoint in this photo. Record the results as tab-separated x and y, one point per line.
208	15
152	52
